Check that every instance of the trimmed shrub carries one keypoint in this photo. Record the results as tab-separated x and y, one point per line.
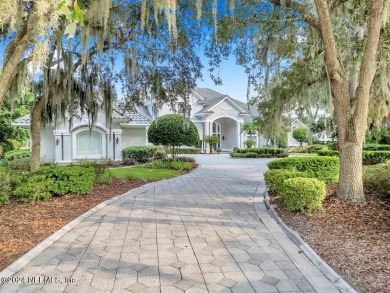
375	157
377	178
275	178
189	151
173	165
270	151
18	154
140	154
172	131
323	168
303	194
376	147
183	159
5	188
316	148
20	164
54	180
369	157
328	153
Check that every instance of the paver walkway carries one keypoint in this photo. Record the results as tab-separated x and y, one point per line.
196	233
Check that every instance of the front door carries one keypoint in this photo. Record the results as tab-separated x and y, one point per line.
217	132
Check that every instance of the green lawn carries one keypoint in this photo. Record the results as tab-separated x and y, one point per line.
143	173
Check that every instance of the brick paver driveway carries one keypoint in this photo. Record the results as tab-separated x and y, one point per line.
196	233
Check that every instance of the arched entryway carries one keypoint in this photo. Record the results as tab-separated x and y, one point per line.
226	129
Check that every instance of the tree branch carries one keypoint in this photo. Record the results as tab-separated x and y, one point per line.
368	67
295	6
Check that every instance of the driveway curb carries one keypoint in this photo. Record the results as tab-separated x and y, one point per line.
21	262
342	285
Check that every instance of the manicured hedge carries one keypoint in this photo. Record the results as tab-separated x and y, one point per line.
316	148
173	165
373	157
141	154
53	180
376	147
271	151
328	153
323	168
369	157
303	194
189	151
17	154
276	177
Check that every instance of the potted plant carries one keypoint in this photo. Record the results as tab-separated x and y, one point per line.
249	143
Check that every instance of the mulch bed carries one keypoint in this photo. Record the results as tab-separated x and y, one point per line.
353	239
23	226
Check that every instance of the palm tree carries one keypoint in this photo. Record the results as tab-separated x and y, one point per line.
211	140
250	128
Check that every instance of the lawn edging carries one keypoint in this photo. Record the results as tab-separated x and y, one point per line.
342	285
21	262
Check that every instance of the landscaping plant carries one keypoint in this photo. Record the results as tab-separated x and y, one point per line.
173	131
303	194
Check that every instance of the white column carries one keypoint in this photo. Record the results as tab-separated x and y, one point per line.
238	126
62	146
146	135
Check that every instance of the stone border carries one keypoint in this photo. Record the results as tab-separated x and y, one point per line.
21	262
329	273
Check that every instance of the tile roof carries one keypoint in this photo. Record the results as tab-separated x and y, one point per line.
212	98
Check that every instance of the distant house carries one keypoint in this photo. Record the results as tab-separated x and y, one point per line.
322	136
295	123
213	113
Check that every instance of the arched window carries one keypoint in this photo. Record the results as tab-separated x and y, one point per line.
89	144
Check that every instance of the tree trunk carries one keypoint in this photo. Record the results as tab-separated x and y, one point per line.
351	121
350	187
36	118
173	153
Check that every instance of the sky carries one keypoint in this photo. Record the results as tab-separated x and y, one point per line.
234	79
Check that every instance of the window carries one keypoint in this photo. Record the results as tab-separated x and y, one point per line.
89	144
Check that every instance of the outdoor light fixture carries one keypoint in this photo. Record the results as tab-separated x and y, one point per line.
57	141
223	137
117	140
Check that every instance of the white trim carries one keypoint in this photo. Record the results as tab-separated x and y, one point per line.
228	117
230	101
85	124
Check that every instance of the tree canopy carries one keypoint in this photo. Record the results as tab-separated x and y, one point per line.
173	131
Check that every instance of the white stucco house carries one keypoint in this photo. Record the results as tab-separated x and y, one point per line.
213	113
294	124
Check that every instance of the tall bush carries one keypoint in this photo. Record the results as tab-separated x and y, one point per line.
173	131
323	168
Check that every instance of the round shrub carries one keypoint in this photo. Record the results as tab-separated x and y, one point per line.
303	194
249	155
172	131
141	154
275	178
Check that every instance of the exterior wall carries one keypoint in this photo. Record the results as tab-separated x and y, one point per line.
48	145
229	132
133	136
225	109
